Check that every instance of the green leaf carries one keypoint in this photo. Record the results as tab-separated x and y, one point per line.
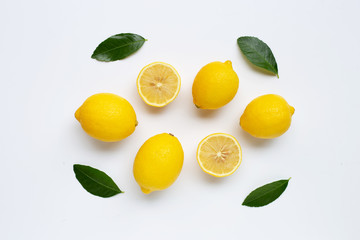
266	194
258	53
95	181
118	47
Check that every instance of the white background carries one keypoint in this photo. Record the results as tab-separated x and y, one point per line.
47	73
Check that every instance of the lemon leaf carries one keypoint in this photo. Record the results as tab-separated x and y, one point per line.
95	181
266	194
118	47
258	53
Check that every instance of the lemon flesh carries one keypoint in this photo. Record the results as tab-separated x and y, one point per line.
219	154
268	116
158	163
158	84
215	85
107	117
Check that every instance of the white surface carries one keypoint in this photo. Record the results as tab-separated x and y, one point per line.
47	73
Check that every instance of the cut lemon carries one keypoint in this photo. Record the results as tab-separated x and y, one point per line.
158	84
219	154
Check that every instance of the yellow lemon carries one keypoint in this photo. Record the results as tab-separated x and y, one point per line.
267	116
158	162
219	154
107	117
158	84
215	85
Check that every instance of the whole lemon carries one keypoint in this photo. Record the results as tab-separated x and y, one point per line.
107	117
267	116
158	162
215	85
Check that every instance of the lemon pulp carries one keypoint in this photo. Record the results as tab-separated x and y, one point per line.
219	154
158	84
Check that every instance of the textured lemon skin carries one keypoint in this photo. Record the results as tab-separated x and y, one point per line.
158	162
107	117
215	85
267	116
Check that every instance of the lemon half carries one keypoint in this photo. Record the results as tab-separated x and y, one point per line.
158	84
219	154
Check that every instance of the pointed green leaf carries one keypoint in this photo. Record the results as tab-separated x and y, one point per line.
118	47
258	53
95	181
266	194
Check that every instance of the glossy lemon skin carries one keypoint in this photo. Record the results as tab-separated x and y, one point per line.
268	116
215	85
158	163
107	117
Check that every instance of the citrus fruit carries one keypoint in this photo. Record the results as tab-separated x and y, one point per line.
158	162
107	117
215	85
267	116
219	154
158	84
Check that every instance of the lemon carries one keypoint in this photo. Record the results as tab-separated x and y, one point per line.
158	162
158	84
267	116
219	154
107	117
215	85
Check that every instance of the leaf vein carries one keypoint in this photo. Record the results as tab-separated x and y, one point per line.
268	63
119	47
263	194
96	181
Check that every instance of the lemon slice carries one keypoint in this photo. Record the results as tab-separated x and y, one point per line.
219	154
158	84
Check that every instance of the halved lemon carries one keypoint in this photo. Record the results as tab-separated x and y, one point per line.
158	84
219	154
